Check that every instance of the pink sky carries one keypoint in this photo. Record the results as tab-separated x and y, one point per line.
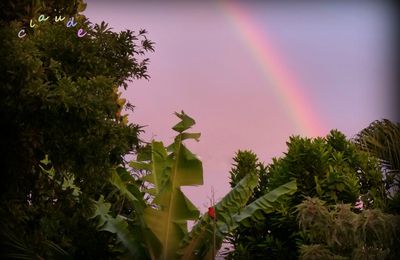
337	54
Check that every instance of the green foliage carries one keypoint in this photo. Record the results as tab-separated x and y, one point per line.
198	243
316	252
231	211
381	139
267	203
330	168
59	97
161	221
169	171
246	162
50	211
67	181
336	232
24	10
139	241
117	225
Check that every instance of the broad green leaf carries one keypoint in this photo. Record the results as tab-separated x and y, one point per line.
182	208
189	169
140	165
118	183
46	160
185	123
198	243
265	204
117	225
170	169
158	165
194	136
101	210
68	183
125	183
200	239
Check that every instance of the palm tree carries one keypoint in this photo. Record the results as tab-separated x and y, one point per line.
381	139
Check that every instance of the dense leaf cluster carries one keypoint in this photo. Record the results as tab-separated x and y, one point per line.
59	97
330	168
337	232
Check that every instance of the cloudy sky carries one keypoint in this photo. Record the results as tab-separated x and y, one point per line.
253	73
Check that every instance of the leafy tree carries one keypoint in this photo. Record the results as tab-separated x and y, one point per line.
330	168
242	240
59	97
24	10
381	139
246	162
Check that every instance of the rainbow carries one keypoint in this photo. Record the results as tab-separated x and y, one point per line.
284	83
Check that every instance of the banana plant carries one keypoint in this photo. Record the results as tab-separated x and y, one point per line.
171	168
231	211
162	222
198	243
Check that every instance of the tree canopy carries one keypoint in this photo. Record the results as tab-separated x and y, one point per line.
381	139
59	97
331	168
